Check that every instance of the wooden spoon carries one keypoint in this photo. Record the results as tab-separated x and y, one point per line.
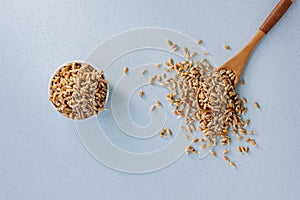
237	62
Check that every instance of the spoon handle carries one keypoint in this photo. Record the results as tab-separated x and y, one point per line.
275	15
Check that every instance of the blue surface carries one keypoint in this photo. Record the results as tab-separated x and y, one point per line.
41	156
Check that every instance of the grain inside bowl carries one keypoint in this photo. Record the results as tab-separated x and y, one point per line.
78	91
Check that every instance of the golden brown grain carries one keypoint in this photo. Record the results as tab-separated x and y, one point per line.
213	153
151	80
246	149
170	43
251	132
153	107
243	148
186	136
159	78
247	122
195	140
169	132
198	41
141	93
193	54
232	164
226	151
256	105
158	103
253	143
202	140
161	134
227	47
242	131
226	158
158	65
185	51
174	46
240	149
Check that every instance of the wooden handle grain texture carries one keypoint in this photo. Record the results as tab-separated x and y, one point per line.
275	15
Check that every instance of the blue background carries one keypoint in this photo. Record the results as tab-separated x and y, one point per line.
41	156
